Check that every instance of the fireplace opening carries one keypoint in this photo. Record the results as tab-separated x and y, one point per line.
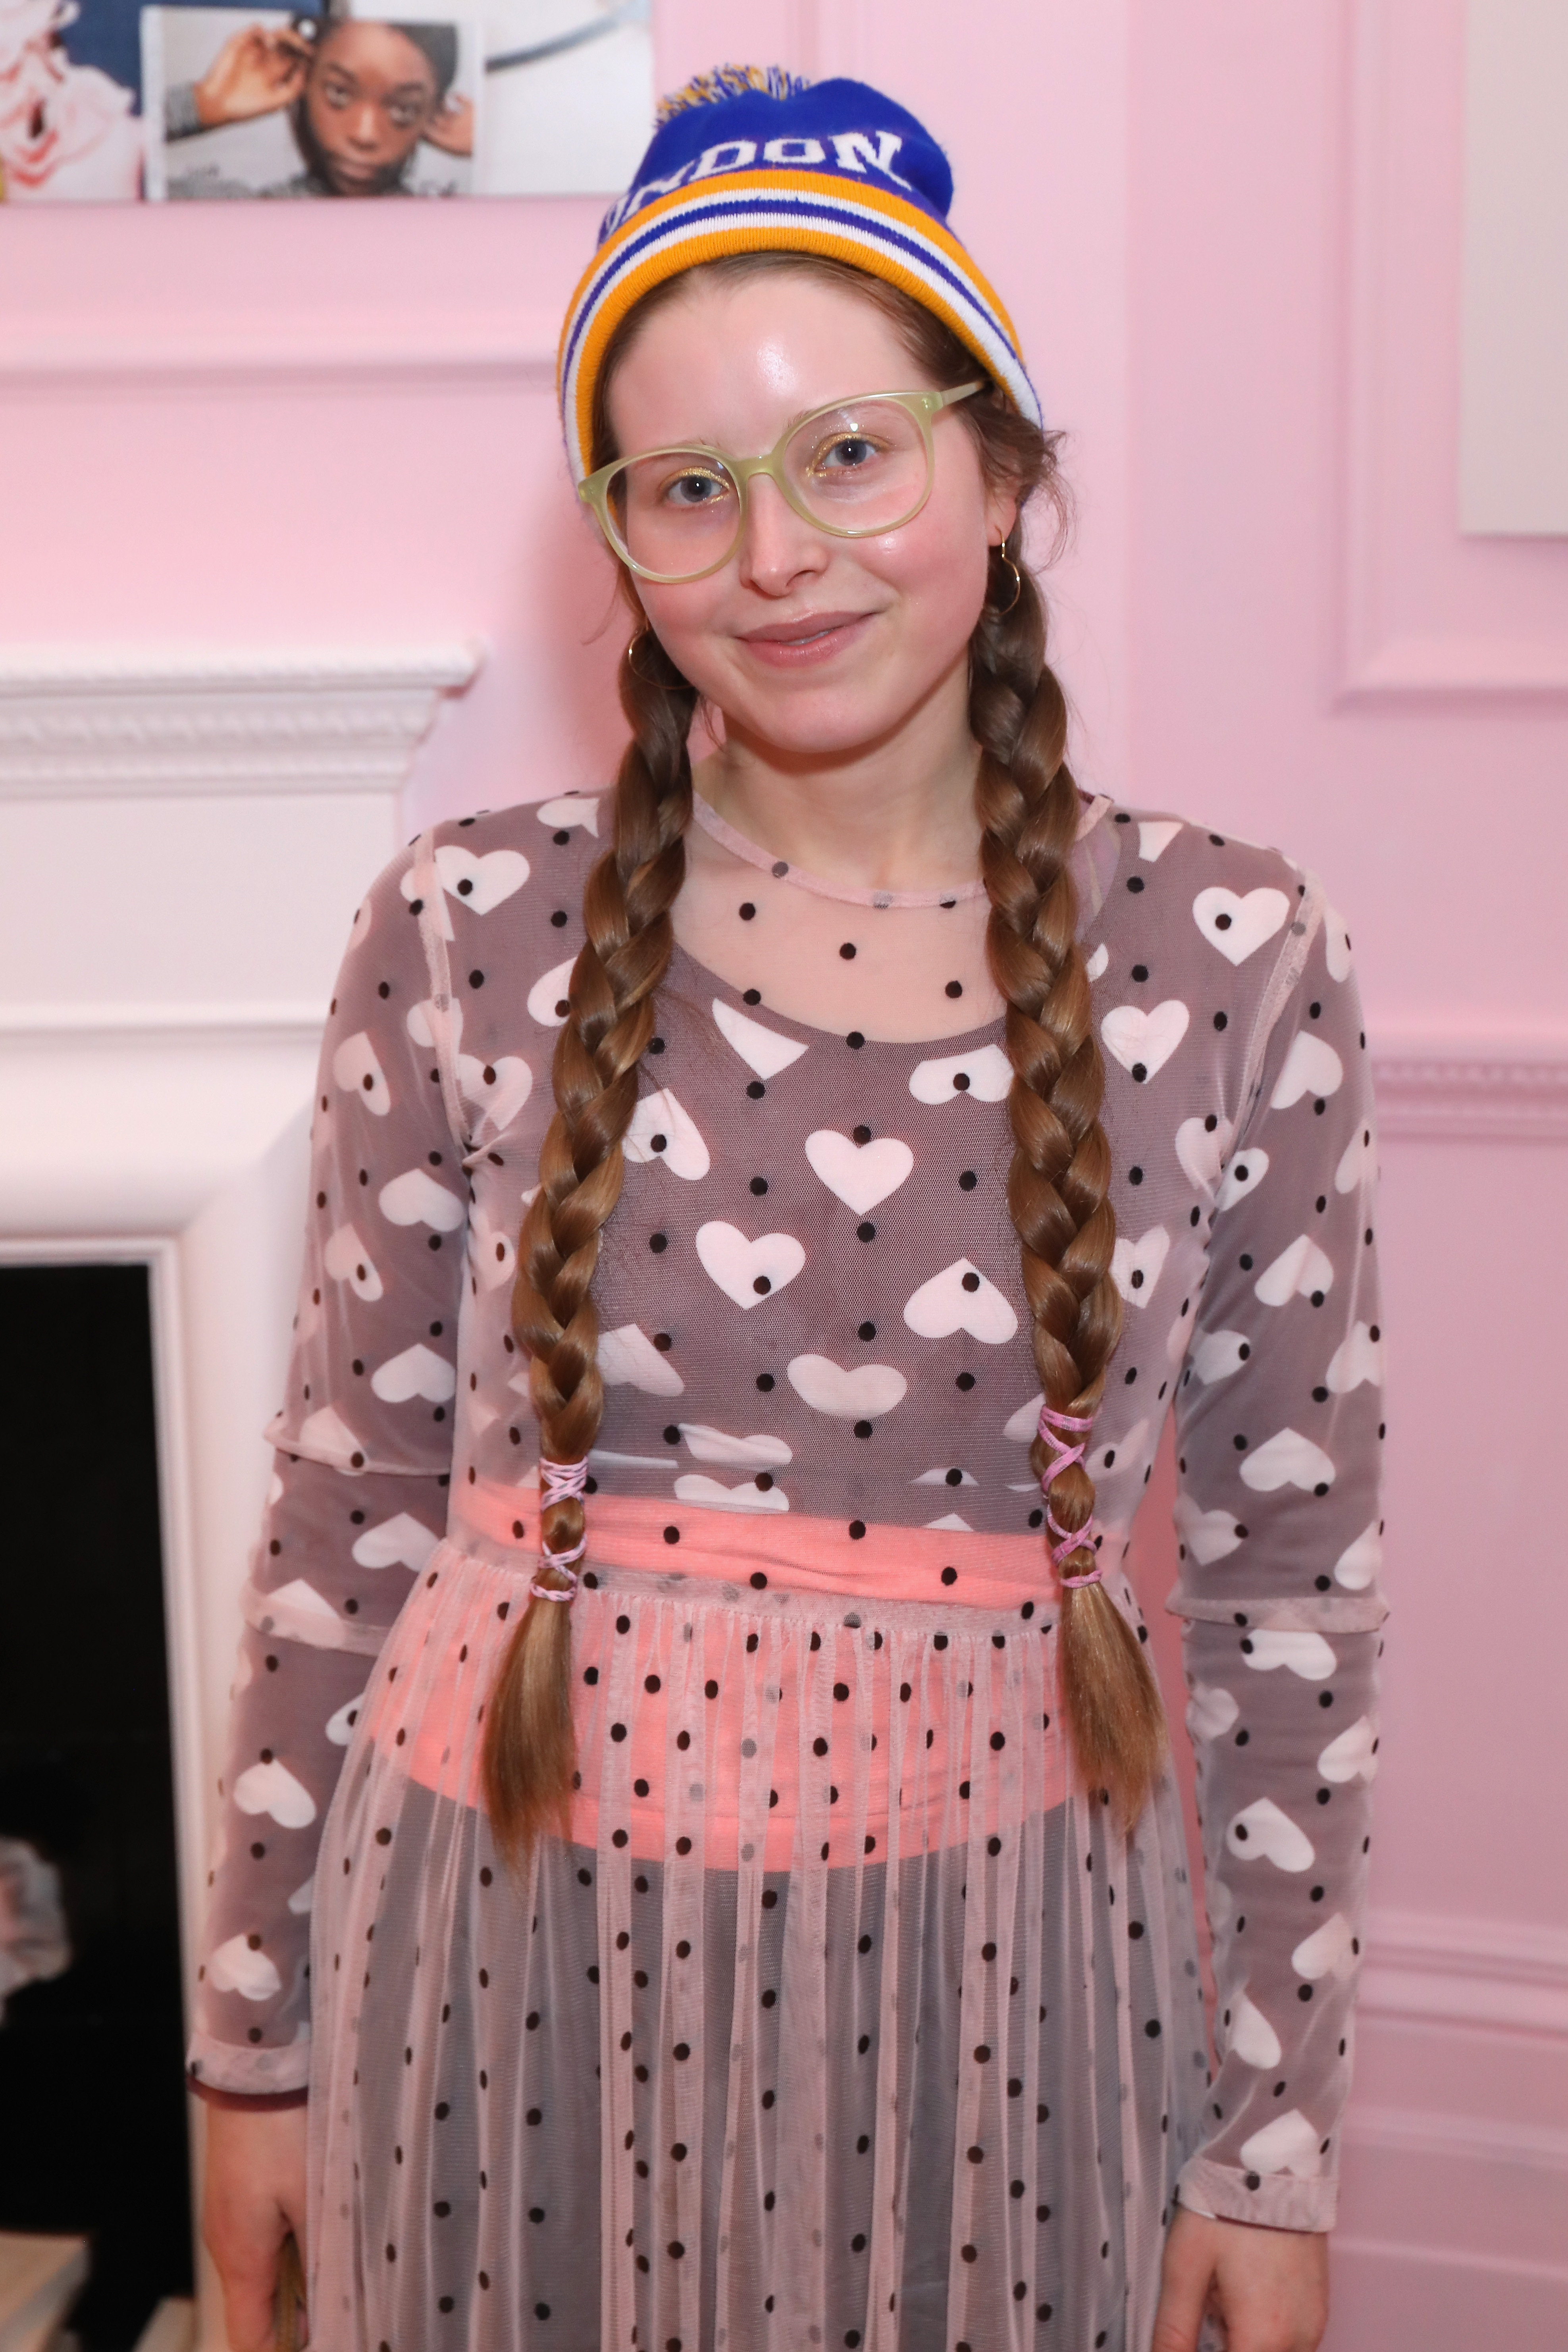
94	2136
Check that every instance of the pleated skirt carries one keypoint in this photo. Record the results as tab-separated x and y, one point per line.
843	2018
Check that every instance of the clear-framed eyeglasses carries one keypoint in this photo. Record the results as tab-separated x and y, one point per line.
856	469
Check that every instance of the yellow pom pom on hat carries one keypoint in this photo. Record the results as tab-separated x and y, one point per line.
750	159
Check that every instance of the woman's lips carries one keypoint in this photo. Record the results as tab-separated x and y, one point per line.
802	644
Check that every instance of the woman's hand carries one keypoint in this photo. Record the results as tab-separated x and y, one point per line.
452	129
254	72
255	2195
1269	2287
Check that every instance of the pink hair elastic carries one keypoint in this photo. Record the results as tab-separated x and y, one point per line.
1057	1429
564	1482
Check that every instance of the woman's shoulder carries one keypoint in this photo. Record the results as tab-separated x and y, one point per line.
1199	889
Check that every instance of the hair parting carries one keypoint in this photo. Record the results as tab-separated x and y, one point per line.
1060	1178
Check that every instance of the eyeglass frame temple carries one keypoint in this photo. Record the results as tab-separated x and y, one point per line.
922	404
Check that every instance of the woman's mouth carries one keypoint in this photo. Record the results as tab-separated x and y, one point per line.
810	638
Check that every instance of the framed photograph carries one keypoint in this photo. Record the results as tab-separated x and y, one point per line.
105	100
237	103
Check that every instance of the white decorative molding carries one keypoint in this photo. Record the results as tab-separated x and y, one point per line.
1484	1088
1381	658
301	355
1504	1975
163	720
1458	2139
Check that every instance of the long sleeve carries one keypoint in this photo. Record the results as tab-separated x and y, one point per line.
1279	1423
358	1496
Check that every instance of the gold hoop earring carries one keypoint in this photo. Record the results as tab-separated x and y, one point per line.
1000	612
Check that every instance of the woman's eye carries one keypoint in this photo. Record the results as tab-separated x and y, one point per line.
695	490
405	113
337	93
845	455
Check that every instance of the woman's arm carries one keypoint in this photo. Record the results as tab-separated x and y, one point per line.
1279	1423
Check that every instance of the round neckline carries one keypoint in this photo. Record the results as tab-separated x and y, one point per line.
765	1014
782	869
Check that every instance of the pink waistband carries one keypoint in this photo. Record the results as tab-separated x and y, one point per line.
939	1564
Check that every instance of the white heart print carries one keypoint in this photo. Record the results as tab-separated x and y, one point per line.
1329	1952
1249	2035
481	883
860	1394
1261	1832
1218	1354
339	1728
1361	1561
1304	1653
1243	1175
1353	1755
1155	835
763	1050
1354	1160
861	1174
748	1271
1136	1266
1095	967
691	1488
419	1372
400	1542
759	1453
1358	1357
1210	1712
568	809
548	999
1208	1535
985	1075
235	1967
1311	1067
942	1476
628	1359
1238	927
662	1129
1201	1147
1336	945
498	1089
272	1789
1287	1459
1023	1426
960	1298
346	1259
492	1257
415	1198
1144	1042
357	1071
1292	2143
1300	1272
326	1437
301	1901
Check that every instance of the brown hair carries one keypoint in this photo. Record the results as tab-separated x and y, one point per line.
1059	1183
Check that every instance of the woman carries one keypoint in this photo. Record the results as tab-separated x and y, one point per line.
361	98
782	1935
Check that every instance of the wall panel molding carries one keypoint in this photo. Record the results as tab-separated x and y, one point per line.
1487	1087
1424	616
422	354
1433	1967
160	720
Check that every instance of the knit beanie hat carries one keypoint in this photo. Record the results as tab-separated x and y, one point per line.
750	159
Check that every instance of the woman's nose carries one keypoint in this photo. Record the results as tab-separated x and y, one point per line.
777	546
363	131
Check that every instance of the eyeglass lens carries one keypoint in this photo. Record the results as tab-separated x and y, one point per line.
860	469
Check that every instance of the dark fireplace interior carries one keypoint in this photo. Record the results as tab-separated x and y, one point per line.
93	2139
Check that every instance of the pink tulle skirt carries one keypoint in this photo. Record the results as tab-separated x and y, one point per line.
843	2020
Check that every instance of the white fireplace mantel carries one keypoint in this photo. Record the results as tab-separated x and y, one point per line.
185	833
201	720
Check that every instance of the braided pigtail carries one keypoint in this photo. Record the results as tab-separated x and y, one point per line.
530	1751
1058	1184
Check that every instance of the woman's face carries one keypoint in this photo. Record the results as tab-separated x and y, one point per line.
812	645
370	95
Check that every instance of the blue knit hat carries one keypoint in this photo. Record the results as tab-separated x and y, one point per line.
749	159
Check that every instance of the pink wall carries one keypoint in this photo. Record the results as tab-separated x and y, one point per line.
1231	237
